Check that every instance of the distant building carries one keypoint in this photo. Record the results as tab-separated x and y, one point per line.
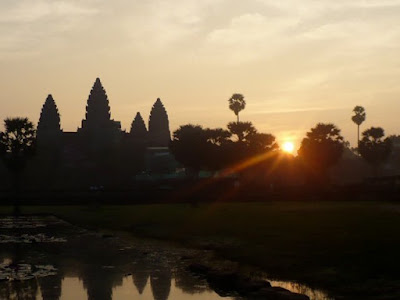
100	153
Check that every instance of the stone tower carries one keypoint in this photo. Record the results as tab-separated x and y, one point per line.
159	135
138	128
49	130
98	116
97	128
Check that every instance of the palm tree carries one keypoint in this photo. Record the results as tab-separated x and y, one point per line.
237	104
358	118
17	144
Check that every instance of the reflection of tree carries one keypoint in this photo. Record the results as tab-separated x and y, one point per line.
188	283
160	281
19	290
27	290
50	287
140	275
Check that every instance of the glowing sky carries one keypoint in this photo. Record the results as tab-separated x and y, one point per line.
297	62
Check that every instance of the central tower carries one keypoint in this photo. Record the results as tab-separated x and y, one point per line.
97	127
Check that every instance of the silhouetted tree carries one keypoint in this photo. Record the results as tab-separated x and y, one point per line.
358	118
394	159
248	143
374	148
218	141
188	146
218	136
242	130
262	142
17	145
213	149
237	104
321	149
189	283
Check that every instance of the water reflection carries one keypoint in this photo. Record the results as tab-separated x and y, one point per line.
140	276
92	266
160	280
50	287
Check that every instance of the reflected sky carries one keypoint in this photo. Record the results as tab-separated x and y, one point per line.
93	266
89	266
295	287
72	288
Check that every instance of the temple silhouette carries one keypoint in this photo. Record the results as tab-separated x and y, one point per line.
100	152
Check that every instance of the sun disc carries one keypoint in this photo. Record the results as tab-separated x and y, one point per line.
288	147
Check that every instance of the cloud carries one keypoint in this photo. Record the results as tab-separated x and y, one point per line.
28	25
342	25
36	11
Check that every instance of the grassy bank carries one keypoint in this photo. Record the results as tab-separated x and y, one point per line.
349	248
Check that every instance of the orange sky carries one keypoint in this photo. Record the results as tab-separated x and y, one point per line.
297	62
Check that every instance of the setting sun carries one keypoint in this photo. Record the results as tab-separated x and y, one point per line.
288	147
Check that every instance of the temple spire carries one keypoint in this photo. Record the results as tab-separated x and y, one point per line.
159	133
97	109
138	128
49	117
49	130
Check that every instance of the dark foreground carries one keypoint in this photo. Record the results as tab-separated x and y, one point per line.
349	249
47	258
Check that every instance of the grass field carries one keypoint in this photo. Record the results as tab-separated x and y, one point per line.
347	248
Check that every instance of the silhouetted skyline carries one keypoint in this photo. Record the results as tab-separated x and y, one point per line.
297	62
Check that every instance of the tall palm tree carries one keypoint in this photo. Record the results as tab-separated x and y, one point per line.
358	118
237	104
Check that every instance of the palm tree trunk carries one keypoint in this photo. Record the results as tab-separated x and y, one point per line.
358	138
17	182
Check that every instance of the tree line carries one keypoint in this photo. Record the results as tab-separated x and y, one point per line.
234	148
199	148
